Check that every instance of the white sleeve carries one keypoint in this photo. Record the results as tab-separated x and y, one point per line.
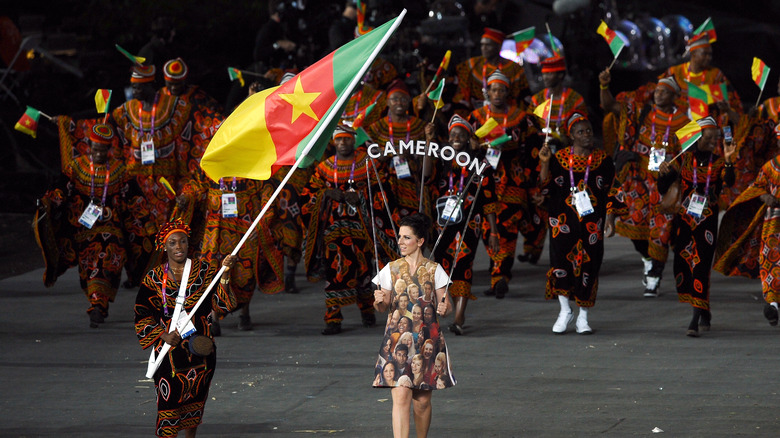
440	277
383	278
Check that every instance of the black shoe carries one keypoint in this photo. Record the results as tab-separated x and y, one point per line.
128	284
332	328
771	314
705	321
530	258
457	329
501	288
244	323
489	292
96	317
522	258
369	320
216	329
289	283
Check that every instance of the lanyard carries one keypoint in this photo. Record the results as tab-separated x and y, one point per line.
460	183
695	176
154	115
223	187
351	179
484	73
358	97
666	134
92	183
164	286
560	104
390	128
571	169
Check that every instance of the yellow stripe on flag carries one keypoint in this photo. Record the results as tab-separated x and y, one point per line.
102	98
485	129
688	134
543	111
248	122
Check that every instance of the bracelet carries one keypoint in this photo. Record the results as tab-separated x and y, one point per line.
604	87
224	281
729	164
493	234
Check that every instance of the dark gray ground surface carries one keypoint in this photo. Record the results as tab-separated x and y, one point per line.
516	379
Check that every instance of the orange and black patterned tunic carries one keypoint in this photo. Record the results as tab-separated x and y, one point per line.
695	237
472	79
577	243
183	379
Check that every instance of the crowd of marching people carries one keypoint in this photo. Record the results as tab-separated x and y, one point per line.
528	168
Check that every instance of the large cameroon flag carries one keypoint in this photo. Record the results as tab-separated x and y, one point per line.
273	127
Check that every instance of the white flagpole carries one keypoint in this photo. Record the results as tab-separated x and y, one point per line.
322	126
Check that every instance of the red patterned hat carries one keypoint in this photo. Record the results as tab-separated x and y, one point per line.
576	117
397	85
102	134
553	64
494	34
175	226
699	41
175	70
458	121
142	74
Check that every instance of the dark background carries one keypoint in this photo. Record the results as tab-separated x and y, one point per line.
214	34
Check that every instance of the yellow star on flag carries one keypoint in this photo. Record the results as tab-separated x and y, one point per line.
301	101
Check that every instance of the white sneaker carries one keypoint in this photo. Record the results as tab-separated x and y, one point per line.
648	262
582	326
651	289
564	318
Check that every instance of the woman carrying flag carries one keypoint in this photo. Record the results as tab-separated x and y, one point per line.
701	176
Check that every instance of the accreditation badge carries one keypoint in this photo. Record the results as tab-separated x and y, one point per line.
657	156
147	151
582	203
449	210
401	167
184	324
91	215
493	155
229	205
696	205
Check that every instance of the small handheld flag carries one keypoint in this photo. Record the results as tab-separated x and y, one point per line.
102	100
361	118
139	60
543	110
697	100
234	74
759	72
688	135
717	93
708	28
29	122
500	140
523	38
616	43
436	94
164	182
445	62
485	129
